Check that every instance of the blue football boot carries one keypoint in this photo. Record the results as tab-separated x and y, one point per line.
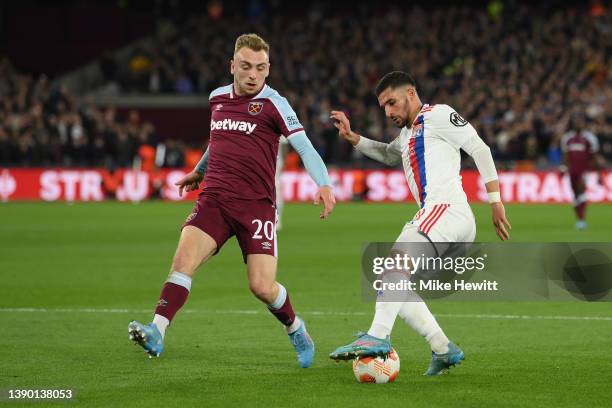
440	363
303	345
365	345
147	336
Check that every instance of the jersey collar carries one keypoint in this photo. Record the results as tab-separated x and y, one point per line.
258	95
425	105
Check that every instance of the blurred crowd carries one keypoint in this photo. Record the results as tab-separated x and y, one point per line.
520	73
43	125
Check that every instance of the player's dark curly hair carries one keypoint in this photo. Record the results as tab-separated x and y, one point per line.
393	80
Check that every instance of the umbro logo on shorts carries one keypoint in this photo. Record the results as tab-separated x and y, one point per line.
266	245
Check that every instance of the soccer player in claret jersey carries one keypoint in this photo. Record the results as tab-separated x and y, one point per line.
579	147
428	146
247	119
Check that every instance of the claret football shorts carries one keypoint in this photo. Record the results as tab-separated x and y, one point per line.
253	222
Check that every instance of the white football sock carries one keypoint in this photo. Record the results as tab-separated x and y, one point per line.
162	323
279	302
280	298
385	315
181	279
293	327
418	316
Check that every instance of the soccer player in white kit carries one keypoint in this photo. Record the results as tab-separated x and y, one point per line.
428	147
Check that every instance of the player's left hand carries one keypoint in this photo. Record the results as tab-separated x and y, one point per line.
189	182
325	194
500	221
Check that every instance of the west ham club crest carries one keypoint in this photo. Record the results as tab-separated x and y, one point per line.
255	107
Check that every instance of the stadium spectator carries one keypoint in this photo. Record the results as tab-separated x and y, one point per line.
41	125
517	71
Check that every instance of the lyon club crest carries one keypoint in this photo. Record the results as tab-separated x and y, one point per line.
255	107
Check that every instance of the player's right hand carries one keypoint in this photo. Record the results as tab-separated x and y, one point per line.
189	182
500	222
325	194
343	125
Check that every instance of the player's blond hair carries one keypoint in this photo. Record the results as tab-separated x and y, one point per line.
252	41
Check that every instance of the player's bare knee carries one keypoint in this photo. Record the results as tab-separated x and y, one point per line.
184	263
194	248
262	290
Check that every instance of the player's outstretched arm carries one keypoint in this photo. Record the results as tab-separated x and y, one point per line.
481	153
192	180
500	222
387	153
316	169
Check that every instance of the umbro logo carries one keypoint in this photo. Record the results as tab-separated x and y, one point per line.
218	107
266	245
162	303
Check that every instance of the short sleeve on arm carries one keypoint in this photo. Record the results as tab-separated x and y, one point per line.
288	121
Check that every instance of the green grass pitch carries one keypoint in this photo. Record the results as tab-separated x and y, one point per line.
93	267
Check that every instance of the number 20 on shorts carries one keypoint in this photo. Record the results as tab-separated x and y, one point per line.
266	227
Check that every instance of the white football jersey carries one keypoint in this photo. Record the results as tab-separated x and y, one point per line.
431	156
